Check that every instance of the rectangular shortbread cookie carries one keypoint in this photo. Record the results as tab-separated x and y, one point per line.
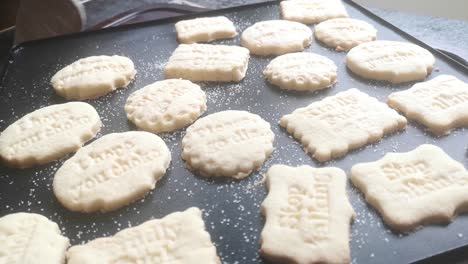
440	104
177	238
337	124
307	215
410	189
205	62
205	29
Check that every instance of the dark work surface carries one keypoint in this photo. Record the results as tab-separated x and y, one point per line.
231	208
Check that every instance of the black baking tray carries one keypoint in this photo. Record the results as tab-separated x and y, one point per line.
231	208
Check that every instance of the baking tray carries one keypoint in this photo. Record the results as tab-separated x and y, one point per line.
231	208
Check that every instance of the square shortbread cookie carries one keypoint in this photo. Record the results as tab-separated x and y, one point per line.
337	124
205	62
205	29
414	188
307	214
440	104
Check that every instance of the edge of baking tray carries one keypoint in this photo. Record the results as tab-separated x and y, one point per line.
460	66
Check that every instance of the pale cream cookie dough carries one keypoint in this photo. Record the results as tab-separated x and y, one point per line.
276	37
28	238
177	238
48	134
165	106
228	143
307	216
301	71
422	186
392	61
330	128
343	34
111	172
93	77
205	29
440	104
312	11
206	62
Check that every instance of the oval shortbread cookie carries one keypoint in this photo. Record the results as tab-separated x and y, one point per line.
206	62
301	71
27	238
391	61
177	238
228	143
205	29
276	37
422	186
345	33
441	104
93	76
48	134
111	172
165	106
312	11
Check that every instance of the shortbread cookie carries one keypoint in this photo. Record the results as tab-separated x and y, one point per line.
276	37
205	62
205	29
111	172
423	186
441	104
93	77
228	143
307	215
343	34
351	119
27	238
166	106
392	61
301	71
48	134
312	11
177	238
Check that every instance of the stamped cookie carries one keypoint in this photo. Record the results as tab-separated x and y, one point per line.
111	172
179	237
205	29
423	186
301	71
48	134
351	119
392	61
27	238
312	11
276	37
166	106
205	62
228	143
307	215
343	34
93	77
441	104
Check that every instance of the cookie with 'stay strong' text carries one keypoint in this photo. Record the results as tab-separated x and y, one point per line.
28	238
165	106
422	186
332	127
48	134
301	71
111	172
307	215
94	76
440	104
276	37
312	11
177	238
204	29
228	143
